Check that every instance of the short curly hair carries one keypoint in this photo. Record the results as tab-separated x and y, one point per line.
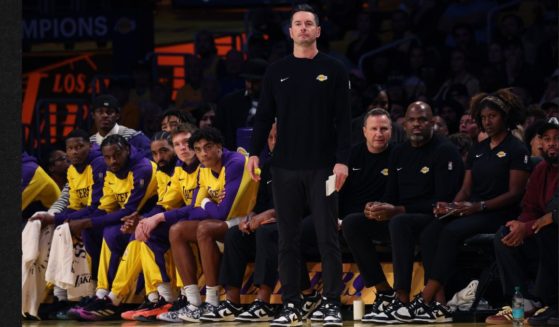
504	101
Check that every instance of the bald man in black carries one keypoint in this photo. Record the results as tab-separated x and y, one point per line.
421	171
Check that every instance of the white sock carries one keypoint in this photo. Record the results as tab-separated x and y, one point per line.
114	298
212	295
60	293
153	297
193	294
101	293
166	292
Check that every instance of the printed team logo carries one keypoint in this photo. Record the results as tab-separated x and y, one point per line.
384	171
321	78
450	167
501	154
424	170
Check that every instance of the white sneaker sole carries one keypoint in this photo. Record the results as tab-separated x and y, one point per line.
280	324
250	319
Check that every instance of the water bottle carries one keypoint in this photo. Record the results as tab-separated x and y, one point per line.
517	308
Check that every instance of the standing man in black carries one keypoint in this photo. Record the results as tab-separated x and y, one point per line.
308	94
238	108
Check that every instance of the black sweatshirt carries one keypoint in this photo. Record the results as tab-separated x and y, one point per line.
420	177
310	98
368	173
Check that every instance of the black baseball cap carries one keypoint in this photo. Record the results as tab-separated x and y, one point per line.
254	69
105	100
552	123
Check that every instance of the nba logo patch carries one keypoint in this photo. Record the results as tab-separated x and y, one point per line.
526	159
142	182
450	165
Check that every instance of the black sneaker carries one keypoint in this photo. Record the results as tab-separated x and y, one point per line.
419	311
225	311
332	315
97	310
441	312
58	307
129	315
382	301
310	303
542	316
318	313
151	312
387	315
258	311
289	315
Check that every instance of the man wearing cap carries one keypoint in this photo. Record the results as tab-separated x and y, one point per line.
528	244
551	108
237	109
105	110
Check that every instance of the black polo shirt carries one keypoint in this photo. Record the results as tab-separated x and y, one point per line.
491	167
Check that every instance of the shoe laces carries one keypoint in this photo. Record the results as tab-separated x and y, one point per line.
505	311
147	304
379	300
416	303
395	303
322	306
180	302
332	309
256	305
287	309
98	304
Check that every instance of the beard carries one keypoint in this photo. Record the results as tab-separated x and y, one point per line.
550	159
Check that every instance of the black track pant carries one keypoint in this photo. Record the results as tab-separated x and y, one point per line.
359	232
262	247
294	192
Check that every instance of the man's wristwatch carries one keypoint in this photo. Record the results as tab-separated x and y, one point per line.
482	206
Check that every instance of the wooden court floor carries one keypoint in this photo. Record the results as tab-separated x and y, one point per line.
224	324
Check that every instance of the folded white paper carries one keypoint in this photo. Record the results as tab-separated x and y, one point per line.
330	185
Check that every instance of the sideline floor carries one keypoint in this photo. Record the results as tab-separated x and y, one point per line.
224	324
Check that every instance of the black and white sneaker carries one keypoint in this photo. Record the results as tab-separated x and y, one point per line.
416	310
318	313
386	316
332	315
289	315
382	301
258	311
437	313
225	311
310	303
